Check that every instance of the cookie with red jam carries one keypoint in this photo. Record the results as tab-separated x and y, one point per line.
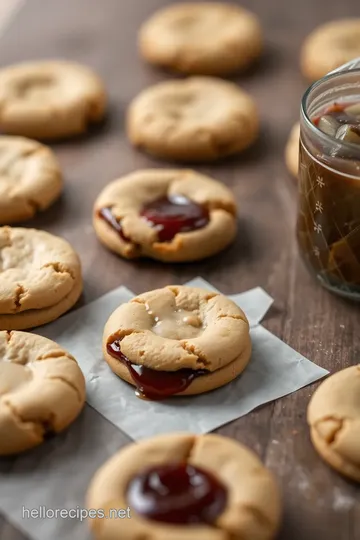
185	487
177	341
169	215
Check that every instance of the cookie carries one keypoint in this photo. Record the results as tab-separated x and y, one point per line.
196	119
49	99
185	487
177	341
40	278
209	38
330	46
42	390
334	419
169	215
292	150
30	178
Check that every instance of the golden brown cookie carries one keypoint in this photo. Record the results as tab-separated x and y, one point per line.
292	150
185	340
196	119
49	99
30	178
329	46
334	419
42	390
40	278
170	215
210	38
204	487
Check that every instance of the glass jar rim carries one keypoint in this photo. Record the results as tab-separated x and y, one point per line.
326	138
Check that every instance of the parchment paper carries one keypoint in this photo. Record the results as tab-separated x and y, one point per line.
56	474
274	370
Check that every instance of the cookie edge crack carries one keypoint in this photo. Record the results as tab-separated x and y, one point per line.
60	268
40	426
81	398
52	355
20	292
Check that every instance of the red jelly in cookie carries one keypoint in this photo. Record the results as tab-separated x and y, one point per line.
153	384
107	215
177	493
174	214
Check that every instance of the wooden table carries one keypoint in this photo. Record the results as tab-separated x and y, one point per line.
319	504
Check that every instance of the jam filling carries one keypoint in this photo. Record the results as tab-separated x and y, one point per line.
169	215
107	215
177	493
340	120
153	384
174	214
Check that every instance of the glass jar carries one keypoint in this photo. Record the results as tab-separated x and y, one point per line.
328	225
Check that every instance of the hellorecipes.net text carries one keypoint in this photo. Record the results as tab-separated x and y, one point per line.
43	512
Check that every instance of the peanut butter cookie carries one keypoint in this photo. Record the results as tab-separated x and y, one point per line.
49	99
42	390
334	420
185	487
177	341
30	178
210	38
292	151
170	215
196	119
329	46
40	278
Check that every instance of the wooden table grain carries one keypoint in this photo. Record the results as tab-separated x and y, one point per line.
319	504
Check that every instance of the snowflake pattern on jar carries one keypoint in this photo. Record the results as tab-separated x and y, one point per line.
328	227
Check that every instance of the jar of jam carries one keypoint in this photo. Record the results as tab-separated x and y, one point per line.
328	225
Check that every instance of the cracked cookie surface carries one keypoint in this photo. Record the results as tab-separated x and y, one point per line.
329	46
253	507
30	178
204	39
177	328
49	99
334	420
40	277
42	390
125	198
196	119
292	150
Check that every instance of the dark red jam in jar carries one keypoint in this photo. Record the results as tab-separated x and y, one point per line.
328	227
152	384
177	493
174	214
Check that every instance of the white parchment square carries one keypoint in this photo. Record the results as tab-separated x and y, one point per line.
274	371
